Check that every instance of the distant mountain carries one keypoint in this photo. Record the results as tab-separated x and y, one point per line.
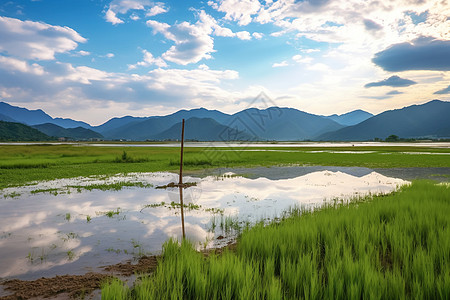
78	133
351	118
431	119
150	127
11	131
34	117
281	124
6	118
202	129
115	123
269	124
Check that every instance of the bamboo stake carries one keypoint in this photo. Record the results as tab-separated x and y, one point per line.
180	183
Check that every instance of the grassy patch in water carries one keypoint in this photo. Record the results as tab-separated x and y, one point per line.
391	247
116	186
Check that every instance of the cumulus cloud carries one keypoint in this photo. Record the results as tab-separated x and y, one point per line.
16	65
148	60
280	64
237	10
84	53
393	81
424	53
302	59
36	40
156	10
117	7
68	84
257	35
243	35
192	43
443	91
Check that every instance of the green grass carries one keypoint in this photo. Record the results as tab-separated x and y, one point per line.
385	247
21	165
117	186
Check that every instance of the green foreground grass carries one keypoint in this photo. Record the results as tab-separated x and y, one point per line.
21	164
385	247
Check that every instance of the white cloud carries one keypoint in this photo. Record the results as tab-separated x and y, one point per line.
36	40
192	42
238	10
156	10
148	60
243	35
111	17
15	65
257	35
122	7
134	17
302	59
280	64
68	86
84	53
110	55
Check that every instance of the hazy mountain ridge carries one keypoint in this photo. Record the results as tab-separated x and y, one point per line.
274	123
38	116
416	121
203	129
351	118
78	133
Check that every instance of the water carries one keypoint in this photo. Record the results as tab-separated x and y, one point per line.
252	144
73	231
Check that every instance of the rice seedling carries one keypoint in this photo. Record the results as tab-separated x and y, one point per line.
114	289
116	186
88	218
70	255
12	195
386	247
52	191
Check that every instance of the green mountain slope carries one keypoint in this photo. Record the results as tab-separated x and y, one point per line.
431	119
11	131
78	133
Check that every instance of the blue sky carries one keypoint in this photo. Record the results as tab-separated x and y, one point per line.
94	60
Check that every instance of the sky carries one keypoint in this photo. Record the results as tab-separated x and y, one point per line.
93	60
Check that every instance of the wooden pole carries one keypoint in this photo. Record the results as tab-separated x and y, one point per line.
181	159
180	183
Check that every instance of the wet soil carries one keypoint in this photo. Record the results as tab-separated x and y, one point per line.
74	286
81	286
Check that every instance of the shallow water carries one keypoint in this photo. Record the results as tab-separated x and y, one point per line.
254	144
71	230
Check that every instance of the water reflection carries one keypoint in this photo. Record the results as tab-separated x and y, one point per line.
75	232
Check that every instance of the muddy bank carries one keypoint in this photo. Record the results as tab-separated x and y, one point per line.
83	286
74	286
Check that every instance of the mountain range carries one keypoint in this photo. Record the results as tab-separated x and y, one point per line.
429	120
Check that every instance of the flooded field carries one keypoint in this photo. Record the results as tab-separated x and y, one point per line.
73	226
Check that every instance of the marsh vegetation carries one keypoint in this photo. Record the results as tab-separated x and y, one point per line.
383	247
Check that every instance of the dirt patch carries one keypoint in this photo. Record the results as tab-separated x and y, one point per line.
74	285
146	264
